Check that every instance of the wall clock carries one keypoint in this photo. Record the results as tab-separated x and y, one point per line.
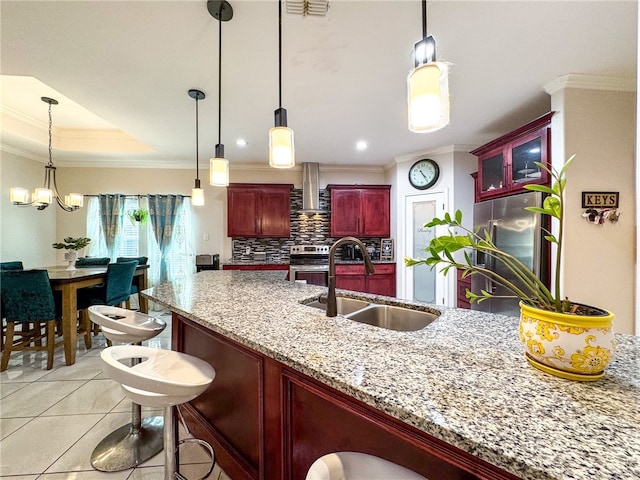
424	174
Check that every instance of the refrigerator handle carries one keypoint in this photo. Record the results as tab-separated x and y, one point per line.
489	260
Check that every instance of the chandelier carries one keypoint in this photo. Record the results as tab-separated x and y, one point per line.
41	198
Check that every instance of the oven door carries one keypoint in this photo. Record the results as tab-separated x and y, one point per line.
313	274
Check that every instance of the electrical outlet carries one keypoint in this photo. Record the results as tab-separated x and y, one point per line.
247	251
205	237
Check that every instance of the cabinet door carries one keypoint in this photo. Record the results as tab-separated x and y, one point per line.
375	206
274	213
242	212
345	212
523	155
383	282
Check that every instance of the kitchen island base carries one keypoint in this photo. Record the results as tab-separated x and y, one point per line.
269	421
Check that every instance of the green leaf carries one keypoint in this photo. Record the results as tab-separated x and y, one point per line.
538	188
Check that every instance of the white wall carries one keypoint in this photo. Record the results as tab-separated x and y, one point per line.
26	234
598	126
455	182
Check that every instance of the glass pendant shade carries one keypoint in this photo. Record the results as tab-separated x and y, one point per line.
43	196
219	169
19	195
281	149
74	200
428	97
197	197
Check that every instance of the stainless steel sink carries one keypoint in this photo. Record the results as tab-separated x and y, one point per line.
392	317
345	305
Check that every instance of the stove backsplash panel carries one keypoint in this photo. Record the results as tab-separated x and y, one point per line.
305	230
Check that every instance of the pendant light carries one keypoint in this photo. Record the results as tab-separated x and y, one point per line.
281	148
197	193
218	165
43	197
428	85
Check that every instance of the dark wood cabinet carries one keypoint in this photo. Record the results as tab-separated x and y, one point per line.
352	277
360	210
267	421
508	163
258	210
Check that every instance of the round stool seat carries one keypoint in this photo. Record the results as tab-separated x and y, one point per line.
357	466
125	326
163	378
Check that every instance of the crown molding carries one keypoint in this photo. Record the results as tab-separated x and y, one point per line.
447	149
591	82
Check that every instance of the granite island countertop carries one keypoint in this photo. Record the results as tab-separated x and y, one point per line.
463	379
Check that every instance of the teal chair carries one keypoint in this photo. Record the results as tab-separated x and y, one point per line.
28	301
115	290
17	265
88	262
134	287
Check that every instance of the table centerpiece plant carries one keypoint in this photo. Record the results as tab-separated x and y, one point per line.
72	246
561	337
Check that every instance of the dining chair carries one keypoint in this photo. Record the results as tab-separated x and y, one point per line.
17	265
134	287
87	262
115	290
28	301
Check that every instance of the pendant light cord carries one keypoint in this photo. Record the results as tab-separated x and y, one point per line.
197	159
50	126
424	18
220	71
280	53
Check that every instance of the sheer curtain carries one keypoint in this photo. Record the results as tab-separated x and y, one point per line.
140	239
170	217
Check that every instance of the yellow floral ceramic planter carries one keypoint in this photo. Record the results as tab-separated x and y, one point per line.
575	347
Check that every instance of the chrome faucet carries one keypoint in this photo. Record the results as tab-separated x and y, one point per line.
332	307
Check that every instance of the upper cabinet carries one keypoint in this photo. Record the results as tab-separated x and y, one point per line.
360	210
508	163
258	210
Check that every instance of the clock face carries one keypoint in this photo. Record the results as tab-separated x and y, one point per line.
424	174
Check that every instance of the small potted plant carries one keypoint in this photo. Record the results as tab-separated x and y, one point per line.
138	216
72	245
561	337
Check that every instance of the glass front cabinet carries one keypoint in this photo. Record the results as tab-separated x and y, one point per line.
508	163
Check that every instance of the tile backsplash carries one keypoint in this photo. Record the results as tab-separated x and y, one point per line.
305	230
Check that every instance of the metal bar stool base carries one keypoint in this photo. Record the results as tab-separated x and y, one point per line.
126	448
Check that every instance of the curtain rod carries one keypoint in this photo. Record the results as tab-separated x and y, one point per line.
139	195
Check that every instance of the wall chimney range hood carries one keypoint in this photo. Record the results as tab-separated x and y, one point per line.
310	189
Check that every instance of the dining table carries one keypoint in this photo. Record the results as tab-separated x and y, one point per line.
68	282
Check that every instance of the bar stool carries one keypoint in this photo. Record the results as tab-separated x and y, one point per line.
357	466
163	378
138	441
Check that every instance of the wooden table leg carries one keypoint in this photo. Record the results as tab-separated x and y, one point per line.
143	303
69	322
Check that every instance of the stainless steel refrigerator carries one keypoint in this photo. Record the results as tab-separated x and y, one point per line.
516	231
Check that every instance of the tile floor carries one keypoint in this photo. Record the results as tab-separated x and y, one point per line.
50	420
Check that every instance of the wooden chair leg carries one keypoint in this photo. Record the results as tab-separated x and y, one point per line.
8	341
127	304
51	342
85	327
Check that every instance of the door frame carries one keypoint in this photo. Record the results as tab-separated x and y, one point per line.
445	285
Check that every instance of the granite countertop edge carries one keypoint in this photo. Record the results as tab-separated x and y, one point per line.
462	379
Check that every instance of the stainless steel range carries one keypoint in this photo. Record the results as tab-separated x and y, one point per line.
309	263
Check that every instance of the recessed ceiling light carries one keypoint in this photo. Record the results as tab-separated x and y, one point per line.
361	145
241	142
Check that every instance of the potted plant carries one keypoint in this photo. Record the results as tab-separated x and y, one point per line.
561	337
72	245
138	215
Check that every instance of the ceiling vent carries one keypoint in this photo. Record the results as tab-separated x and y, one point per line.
307	7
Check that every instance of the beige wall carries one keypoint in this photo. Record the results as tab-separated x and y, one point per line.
599	127
26	234
210	221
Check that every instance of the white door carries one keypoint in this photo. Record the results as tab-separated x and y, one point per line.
422	283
